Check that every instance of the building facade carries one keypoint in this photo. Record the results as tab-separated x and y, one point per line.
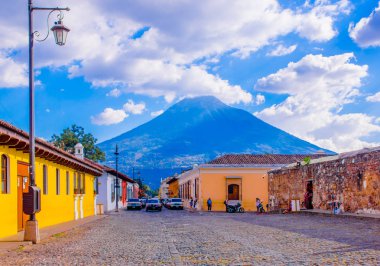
67	182
164	187
349	181
107	189
173	187
232	177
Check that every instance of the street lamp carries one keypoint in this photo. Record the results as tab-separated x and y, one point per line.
117	186
60	31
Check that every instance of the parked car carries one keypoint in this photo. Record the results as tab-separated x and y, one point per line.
153	205
134	204
143	202
175	203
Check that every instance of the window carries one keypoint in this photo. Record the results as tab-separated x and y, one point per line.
67	183
113	190
75	183
79	183
120	189
45	179
4	174
83	184
96	186
58	181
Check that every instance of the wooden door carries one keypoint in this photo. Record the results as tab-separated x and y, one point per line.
22	187
233	192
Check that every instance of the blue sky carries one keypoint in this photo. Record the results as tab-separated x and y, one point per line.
311	68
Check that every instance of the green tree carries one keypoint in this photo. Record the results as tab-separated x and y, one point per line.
75	134
307	160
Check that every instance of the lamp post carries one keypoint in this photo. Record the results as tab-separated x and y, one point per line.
60	34
117	186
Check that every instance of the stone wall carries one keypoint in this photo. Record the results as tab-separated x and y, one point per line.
352	179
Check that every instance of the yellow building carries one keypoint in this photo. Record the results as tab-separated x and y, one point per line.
66	182
240	177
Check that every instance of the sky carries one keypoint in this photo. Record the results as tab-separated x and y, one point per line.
311	68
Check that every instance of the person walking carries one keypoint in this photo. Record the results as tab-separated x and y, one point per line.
209	204
191	204
195	204
258	205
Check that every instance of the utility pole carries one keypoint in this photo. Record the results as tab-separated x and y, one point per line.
117	186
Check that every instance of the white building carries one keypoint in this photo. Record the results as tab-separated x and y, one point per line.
107	189
164	188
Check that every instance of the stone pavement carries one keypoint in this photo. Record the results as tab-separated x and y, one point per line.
184	238
16	241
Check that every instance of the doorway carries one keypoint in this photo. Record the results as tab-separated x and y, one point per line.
309	195
22	187
233	192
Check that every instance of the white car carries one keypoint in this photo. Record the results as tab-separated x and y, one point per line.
175	203
134	204
153	205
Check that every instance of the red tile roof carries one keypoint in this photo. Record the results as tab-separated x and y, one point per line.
119	174
172	180
18	139
111	171
267	159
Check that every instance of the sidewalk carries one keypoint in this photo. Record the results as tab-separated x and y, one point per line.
16	241
345	214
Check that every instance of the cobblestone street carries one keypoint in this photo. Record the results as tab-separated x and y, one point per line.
184	238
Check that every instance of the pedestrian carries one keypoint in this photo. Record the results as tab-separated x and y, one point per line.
195	204
191	203
209	204
258	205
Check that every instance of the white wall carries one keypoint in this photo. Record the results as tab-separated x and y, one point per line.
106	186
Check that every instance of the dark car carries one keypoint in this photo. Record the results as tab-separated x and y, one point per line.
175	203
153	205
134	204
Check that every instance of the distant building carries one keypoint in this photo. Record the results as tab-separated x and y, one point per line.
349	182
173	189
235	177
164	187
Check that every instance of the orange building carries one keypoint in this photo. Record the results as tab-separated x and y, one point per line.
232	177
173	189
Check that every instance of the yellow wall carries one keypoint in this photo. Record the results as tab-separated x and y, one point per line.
213	185
8	202
55	208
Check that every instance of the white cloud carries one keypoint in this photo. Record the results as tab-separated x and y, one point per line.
47	110
366	32
318	88
259	99
156	113
114	93
374	98
165	60
281	50
12	74
317	24
109	117
134	108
